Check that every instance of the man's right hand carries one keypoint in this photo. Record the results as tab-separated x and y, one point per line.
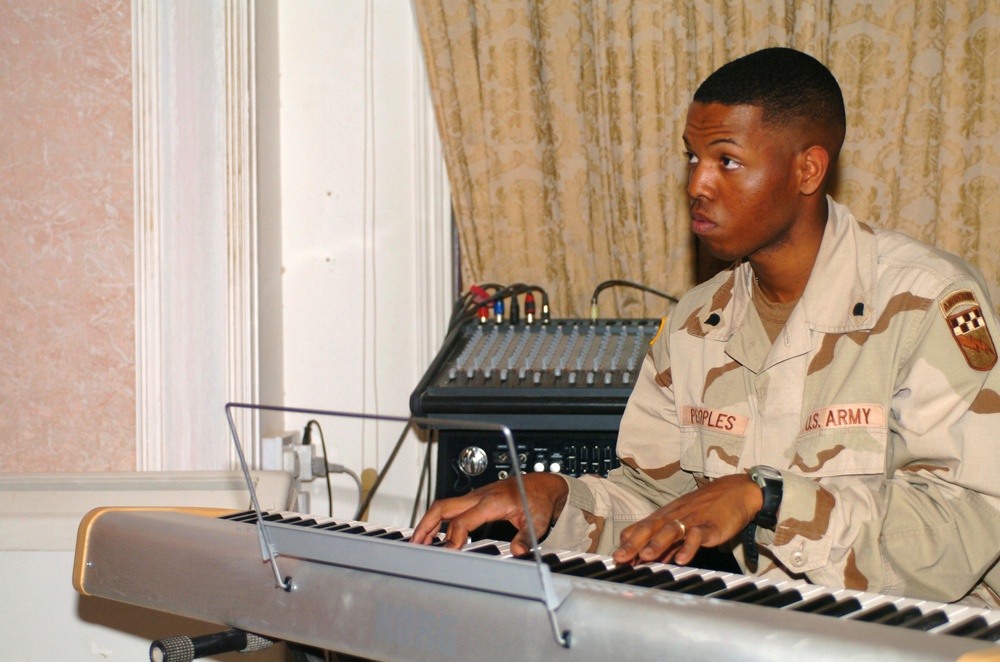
495	502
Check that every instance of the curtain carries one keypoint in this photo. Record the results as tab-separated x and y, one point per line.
562	119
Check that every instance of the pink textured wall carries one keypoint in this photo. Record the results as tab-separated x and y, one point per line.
67	310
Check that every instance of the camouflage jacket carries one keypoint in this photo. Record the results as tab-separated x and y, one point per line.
877	402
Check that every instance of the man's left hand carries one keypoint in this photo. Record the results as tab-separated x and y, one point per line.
707	517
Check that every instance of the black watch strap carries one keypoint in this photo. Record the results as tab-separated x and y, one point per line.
771	485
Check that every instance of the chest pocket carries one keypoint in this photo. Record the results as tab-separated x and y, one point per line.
841	441
711	440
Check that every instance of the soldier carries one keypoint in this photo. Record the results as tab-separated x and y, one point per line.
826	407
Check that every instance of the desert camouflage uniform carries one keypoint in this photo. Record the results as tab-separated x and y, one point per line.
876	401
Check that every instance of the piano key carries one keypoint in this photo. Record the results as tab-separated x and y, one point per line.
990	634
900	617
748	593
813	604
334	526
614	574
969	627
586	569
703	587
736	591
873	614
841	607
782	599
928	621
389	535
489	550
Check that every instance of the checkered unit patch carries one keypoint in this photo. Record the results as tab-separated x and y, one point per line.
967	322
968	326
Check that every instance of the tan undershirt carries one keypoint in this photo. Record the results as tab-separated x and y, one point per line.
773	315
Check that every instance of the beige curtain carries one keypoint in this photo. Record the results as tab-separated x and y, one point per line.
562	126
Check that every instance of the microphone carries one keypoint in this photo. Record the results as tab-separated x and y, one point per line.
185	649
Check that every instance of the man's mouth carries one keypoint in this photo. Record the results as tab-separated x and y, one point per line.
700	223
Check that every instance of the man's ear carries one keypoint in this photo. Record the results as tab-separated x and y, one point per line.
813	165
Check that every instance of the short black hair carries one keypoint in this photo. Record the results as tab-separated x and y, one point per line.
789	86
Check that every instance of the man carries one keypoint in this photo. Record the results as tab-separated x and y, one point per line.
827	406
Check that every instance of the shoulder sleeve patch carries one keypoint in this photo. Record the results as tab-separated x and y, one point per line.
967	324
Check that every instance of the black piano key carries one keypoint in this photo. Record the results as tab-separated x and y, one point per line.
243	516
693	585
901	617
586	569
990	634
390	535
299	521
273	517
748	593
813	604
928	621
782	599
735	593
968	628
871	615
358	528
636	575
615	573
371	533
648	578
704	587
488	550
840	607
334	526
562	566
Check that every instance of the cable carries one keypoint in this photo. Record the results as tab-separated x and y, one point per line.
624	283
479	301
306	439
329	467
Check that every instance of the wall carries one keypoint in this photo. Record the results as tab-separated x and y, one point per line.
67	366
365	232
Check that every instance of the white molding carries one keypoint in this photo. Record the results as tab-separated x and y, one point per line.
176	190
148	309
241	224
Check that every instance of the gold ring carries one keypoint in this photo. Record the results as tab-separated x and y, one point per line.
683	528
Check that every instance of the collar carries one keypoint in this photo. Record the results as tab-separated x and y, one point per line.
840	294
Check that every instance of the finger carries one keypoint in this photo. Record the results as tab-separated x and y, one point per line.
439	513
691	543
633	539
666	537
520	543
427	528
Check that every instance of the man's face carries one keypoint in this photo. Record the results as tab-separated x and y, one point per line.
742	181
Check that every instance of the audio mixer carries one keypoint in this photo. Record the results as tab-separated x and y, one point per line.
560	387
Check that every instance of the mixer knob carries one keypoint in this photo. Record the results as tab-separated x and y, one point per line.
555	467
539	466
472	460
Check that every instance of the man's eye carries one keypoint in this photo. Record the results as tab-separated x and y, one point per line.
728	163
691	158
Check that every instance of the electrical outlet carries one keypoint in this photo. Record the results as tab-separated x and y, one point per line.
273	449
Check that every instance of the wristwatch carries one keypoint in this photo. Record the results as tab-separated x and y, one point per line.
771	484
